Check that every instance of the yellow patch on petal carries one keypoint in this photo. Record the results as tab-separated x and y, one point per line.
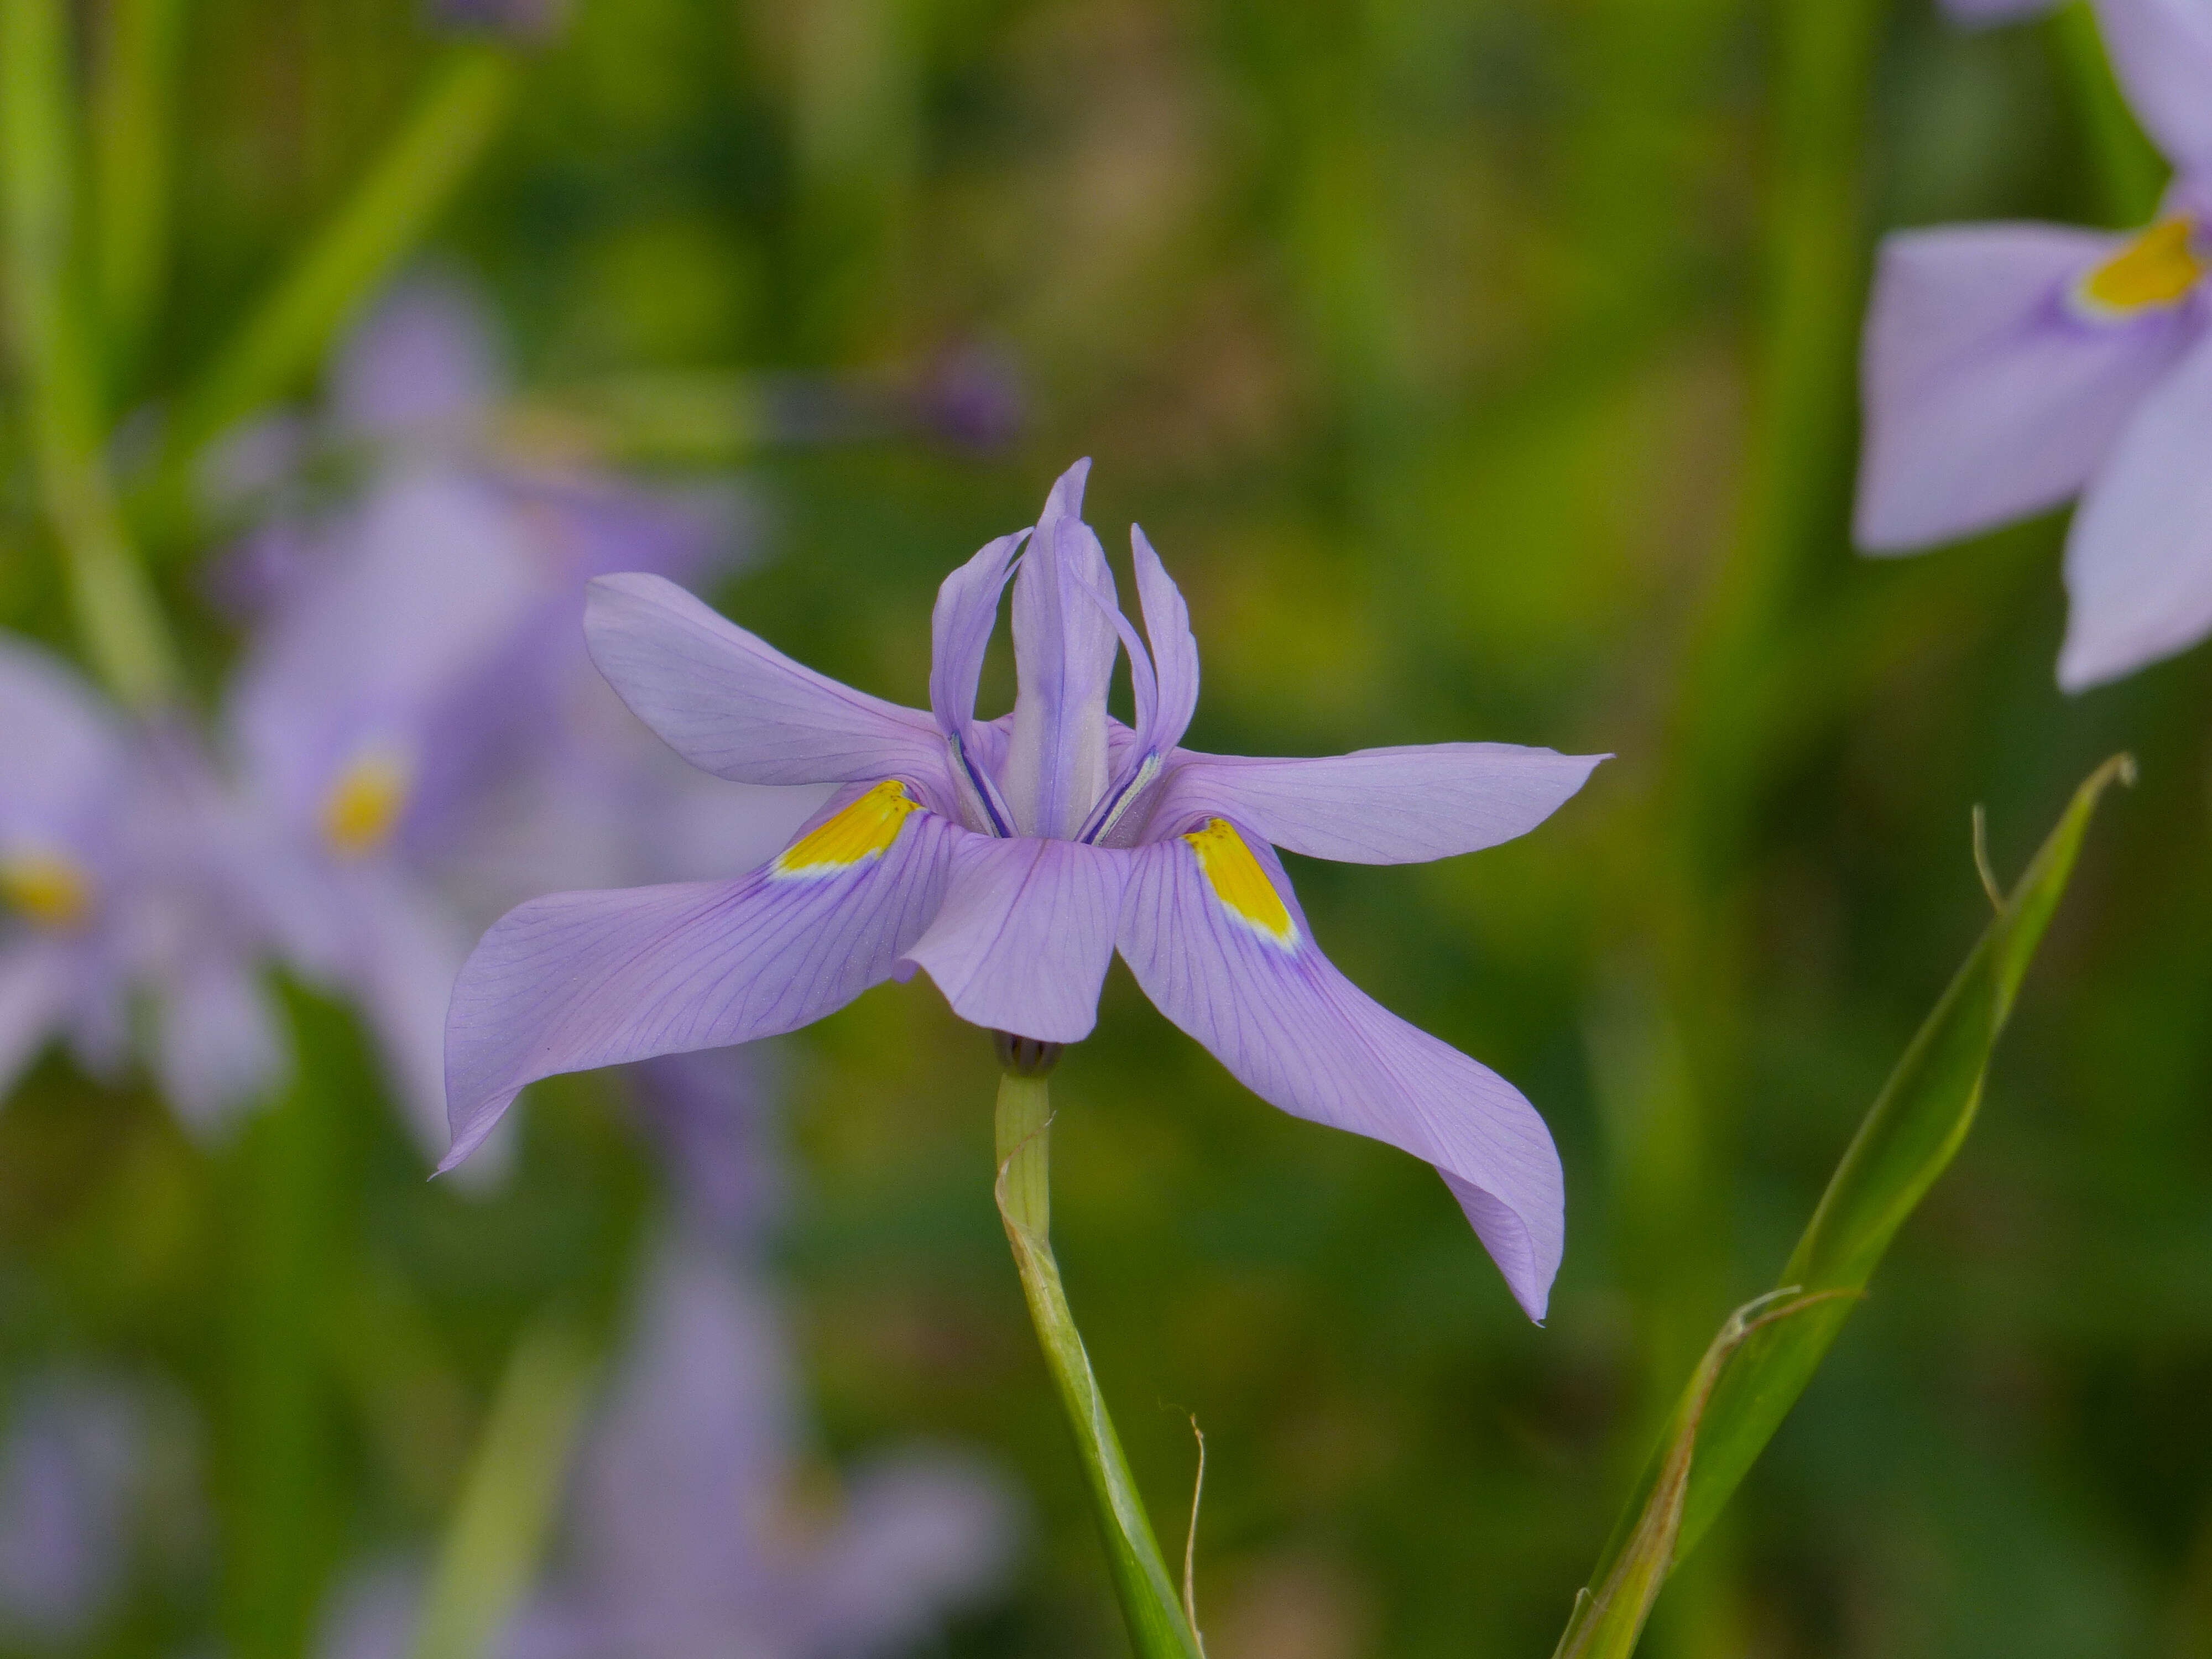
50	890
2158	269
863	831
1240	883
364	805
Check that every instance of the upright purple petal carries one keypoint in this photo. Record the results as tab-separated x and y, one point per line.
1224	951
582	979
1376	805
734	706
967	612
1174	648
2139	558
1024	935
1064	648
2162	51
1988	396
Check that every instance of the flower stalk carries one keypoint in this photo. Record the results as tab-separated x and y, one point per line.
1150	1601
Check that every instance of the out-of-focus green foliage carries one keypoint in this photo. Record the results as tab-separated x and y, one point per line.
1442	348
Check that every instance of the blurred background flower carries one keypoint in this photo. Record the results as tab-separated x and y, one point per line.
1488	366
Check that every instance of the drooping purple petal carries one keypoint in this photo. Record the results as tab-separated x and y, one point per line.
1024	935
1376	805
410	948
582	979
2162	50
70	1467
423	358
2139	557
1064	647
1988	396
218	1047
733	705
33	996
681	1480
1252	987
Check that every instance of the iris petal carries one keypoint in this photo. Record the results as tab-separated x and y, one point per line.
1299	1035
733	705
581	980
1025	934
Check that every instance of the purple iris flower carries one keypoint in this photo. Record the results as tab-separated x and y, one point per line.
2011	367
417	729
684	1539
123	869
1010	859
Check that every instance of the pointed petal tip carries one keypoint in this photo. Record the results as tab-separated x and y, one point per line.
1066	498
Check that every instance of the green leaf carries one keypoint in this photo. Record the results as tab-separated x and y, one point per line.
288	334
1765	1356
125	639
132	119
493	1547
1157	1625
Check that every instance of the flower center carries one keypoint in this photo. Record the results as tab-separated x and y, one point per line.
364	805
2158	269
52	891
863	831
1240	883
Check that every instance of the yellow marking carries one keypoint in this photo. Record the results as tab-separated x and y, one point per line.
364	805
52	891
2159	268
1240	883
863	831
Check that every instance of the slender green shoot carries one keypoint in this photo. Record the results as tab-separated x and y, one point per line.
132	116
1767	1355
493	1545
1158	1626
117	614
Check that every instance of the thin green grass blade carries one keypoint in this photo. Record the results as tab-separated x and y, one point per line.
492	1549
1158	1628
1764	1358
414	176
117	616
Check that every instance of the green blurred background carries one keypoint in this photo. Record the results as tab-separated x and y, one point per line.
1482	370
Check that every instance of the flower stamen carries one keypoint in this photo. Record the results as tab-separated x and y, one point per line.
363	807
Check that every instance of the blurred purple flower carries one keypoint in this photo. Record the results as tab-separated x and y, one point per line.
683	1540
73	1479
1010	860
527	19
2011	367
122	868
1985	14
416	728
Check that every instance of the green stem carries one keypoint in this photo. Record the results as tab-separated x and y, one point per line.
117	613
132	115
2130	174
1148	1596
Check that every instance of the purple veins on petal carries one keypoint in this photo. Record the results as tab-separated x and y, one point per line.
582	979
1064	645
1300	1036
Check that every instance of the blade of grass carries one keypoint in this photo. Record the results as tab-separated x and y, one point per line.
492	1549
132	112
1752	1377
1158	1626
2131	174
117	615
288	333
